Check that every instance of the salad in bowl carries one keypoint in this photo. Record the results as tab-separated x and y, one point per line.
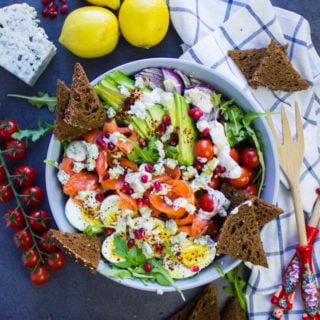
148	180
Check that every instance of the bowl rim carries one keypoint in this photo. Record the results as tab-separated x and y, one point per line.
208	274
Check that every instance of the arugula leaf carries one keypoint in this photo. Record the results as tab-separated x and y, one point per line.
171	152
117	273
149	154
43	99
33	134
238	286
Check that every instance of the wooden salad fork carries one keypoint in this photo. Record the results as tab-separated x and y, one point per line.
290	153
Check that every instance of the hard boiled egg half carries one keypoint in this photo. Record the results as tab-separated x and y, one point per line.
190	256
81	214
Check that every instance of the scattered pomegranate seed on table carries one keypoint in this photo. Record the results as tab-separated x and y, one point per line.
51	8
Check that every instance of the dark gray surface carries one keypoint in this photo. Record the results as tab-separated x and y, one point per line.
74	293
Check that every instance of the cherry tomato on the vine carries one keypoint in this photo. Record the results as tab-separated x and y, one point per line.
25	175
56	260
207	202
242	180
40	276
30	257
46	243
14	218
249	157
6	192
38	220
204	148
251	188
7	128
23	239
32	195
2	174
16	149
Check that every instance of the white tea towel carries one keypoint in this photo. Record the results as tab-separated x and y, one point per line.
208	29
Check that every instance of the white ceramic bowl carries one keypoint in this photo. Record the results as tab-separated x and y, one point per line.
222	84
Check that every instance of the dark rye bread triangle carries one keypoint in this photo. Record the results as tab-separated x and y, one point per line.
204	307
62	130
83	248
276	72
248	61
264	211
85	109
239	236
232	310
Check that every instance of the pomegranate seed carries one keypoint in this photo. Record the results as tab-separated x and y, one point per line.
130	191
99	197
101	143
173	142
111	146
195	269
140	234
63	1
162	128
106	176
142	143
144	178
157	185
318	191
130	243
197	165
147	267
159	247
166	120
45	12
146	201
52	14
107	135
220	169
195	113
64	9
148	168
140	203
206	132
45	2
125	187
109	231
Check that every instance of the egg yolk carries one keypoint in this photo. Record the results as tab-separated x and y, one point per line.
195	255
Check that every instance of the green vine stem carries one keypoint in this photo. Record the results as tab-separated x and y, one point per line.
20	206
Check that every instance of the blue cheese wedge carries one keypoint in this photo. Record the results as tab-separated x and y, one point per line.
25	50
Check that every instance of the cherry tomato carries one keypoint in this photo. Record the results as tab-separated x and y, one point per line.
14	218
16	149
46	243
207	202
251	188
32	195
2	174
40	276
234	154
25	176
56	260
214	182
23	239
204	149
252	174
249	157
30	257
39	220
6	192
242	180
7	128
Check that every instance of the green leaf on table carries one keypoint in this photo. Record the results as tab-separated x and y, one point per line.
39	101
35	134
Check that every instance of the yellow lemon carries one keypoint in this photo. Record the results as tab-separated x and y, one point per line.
144	23
90	32
113	4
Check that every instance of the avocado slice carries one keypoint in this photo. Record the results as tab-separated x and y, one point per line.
186	131
155	116
142	128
